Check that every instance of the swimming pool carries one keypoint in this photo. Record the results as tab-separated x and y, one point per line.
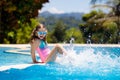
82	63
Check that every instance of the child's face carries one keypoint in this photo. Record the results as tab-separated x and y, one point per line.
42	32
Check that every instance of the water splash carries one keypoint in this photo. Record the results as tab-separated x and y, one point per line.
71	43
89	39
89	59
91	63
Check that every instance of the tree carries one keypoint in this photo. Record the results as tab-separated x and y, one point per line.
99	32
109	4
112	17
74	33
15	11
110	32
23	34
59	31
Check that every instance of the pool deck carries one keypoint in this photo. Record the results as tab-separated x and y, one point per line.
28	45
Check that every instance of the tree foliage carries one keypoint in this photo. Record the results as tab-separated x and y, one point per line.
14	12
74	33
18	18
99	32
59	31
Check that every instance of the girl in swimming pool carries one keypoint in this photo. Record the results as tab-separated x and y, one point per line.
38	42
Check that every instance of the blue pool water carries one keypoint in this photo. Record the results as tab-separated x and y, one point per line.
81	63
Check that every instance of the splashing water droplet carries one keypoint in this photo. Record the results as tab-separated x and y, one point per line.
88	58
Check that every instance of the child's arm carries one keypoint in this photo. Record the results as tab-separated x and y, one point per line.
34	45
33	53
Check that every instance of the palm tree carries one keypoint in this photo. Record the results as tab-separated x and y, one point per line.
109	4
113	15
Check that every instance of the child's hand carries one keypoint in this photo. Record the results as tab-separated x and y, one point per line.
37	62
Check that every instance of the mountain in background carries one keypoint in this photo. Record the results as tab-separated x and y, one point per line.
76	15
69	19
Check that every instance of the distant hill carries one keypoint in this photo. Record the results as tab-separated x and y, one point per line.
69	19
75	15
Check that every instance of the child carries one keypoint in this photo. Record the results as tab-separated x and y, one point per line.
38	42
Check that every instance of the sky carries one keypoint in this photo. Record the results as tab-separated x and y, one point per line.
67	6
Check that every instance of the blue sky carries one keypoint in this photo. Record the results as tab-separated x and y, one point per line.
67	6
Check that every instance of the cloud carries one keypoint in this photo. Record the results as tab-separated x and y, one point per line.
54	10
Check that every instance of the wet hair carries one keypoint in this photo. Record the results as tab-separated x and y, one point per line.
34	34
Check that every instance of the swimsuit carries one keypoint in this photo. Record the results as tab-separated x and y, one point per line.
43	50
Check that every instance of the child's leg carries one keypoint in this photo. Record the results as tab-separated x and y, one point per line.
61	49
53	53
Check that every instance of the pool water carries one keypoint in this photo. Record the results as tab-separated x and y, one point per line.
12	58
81	63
